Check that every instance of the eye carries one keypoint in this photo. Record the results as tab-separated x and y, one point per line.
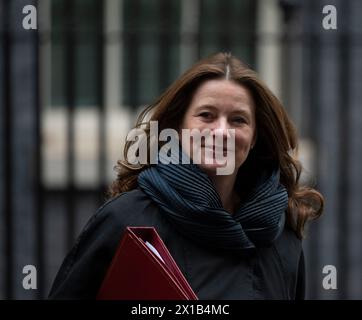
239	120
206	115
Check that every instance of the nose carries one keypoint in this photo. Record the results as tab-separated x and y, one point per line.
221	127
221	131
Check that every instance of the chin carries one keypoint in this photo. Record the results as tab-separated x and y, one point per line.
210	169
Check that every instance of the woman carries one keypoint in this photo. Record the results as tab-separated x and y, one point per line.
234	236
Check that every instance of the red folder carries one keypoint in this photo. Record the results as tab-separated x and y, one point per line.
137	273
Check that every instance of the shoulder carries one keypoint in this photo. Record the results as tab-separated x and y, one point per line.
280	264
95	246
289	246
289	249
130	207
288	240
127	200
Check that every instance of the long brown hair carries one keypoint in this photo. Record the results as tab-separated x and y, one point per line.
276	136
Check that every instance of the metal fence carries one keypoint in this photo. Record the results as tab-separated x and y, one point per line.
320	84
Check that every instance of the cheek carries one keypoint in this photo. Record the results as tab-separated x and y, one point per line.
188	122
243	139
242	144
193	123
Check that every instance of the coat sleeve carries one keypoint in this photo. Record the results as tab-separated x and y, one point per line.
84	268
300	288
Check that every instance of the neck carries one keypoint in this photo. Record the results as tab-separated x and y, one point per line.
224	186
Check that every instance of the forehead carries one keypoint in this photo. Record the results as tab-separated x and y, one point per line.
226	91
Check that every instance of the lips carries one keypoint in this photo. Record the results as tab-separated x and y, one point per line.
216	152
215	147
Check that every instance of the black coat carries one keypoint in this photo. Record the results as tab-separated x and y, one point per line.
268	273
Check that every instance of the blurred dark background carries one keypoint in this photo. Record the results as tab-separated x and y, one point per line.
70	91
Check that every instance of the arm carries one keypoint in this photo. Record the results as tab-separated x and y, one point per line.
84	268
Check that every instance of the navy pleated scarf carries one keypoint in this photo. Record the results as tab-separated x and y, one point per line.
191	203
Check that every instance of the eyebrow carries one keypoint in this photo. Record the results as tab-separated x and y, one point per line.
210	106
205	106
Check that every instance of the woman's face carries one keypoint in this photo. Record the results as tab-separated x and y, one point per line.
219	105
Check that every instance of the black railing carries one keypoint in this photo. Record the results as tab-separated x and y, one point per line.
7	149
